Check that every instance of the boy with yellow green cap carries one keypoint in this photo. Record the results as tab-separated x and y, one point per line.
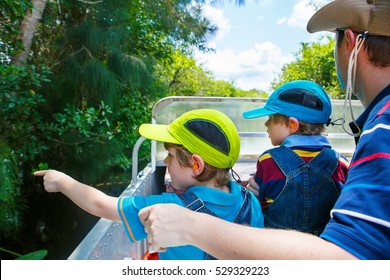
202	146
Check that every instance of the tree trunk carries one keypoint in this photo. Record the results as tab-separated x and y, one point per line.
27	30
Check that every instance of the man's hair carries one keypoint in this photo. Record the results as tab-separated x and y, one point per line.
378	48
305	128
209	171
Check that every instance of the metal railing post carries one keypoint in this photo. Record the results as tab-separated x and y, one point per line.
134	174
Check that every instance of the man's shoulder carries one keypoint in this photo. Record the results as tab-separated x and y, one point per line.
380	114
383	106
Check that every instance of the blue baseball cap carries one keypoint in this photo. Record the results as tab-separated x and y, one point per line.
303	100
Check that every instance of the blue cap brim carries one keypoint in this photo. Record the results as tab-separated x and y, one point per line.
257	113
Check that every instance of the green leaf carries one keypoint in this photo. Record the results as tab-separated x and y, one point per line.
37	255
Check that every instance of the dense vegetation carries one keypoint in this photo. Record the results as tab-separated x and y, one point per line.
77	78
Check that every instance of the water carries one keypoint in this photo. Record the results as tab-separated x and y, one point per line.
53	223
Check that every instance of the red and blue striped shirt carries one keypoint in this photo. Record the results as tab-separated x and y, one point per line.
360	221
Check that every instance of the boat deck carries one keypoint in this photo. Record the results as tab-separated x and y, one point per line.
108	240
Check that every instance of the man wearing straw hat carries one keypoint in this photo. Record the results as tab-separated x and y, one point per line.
360	220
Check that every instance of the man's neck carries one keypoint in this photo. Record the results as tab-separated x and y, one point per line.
370	81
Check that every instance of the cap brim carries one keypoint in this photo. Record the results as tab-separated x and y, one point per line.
158	132
257	113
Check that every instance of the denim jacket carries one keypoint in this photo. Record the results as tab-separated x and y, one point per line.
194	203
309	193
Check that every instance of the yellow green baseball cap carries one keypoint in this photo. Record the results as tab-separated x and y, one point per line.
208	133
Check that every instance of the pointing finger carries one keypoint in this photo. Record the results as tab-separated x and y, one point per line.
40	173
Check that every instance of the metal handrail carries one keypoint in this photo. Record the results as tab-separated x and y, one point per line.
134	173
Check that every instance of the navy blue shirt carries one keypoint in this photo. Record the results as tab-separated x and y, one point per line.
360	221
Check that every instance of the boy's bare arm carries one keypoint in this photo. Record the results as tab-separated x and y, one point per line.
88	198
253	186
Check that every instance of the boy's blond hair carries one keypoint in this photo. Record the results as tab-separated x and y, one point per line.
209	172
305	128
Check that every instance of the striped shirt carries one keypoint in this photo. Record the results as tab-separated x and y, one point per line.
361	216
272	180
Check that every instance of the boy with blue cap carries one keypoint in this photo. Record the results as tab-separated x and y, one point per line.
202	146
299	181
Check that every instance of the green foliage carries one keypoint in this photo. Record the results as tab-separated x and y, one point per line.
162	27
41	166
11	200
84	140
21	121
252	93
315	62
108	52
36	255
87	124
226	89
11	15
184	77
20	130
136	109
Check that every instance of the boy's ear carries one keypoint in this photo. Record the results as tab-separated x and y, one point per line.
198	164
293	124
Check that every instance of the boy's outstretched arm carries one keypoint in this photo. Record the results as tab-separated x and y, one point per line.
87	198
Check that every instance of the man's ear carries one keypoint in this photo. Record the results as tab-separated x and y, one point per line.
293	124
198	164
350	38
